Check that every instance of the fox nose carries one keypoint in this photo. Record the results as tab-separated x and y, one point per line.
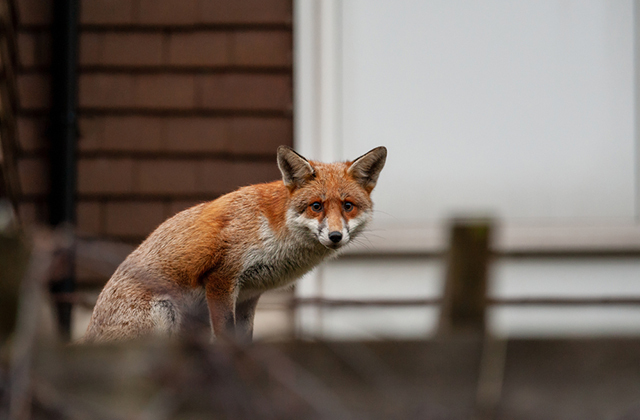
335	236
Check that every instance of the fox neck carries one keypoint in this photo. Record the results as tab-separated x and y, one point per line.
281	257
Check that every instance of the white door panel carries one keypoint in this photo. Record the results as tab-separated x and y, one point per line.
520	109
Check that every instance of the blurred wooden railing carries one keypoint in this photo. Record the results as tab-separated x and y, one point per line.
470	251
463	373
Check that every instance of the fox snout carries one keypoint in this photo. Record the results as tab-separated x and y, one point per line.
335	236
333	231
332	235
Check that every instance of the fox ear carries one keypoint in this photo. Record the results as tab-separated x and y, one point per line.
296	170
366	168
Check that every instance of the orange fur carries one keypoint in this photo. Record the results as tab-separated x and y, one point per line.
208	265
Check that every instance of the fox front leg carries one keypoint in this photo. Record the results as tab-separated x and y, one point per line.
245	313
221	303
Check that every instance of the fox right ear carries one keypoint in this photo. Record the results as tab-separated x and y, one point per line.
366	168
296	170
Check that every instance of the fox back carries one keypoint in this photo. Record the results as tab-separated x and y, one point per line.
207	266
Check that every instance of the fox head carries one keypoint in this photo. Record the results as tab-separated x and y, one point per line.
330	201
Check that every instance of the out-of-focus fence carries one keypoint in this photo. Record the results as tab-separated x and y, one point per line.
468	257
461	373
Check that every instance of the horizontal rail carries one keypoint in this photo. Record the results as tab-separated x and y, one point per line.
364	302
591	301
542	301
503	254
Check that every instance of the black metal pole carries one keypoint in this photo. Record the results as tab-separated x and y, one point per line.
64	133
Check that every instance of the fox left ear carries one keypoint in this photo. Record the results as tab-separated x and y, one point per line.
295	169
366	168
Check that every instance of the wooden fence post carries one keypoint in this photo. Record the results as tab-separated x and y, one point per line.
463	305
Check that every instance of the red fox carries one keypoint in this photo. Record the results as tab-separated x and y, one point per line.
207	266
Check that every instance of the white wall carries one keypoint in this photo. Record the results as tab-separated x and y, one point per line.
522	110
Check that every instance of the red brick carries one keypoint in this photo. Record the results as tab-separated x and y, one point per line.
117	49
133	219
34	175
242	91
249	173
34	12
133	133
260	135
120	133
165	91
197	134
247	11
180	205
32	134
105	176
169	12
90	48
219	177
34	49
90	133
263	48
107	11
166	177
199	49
216	177
106	90
89	218
34	91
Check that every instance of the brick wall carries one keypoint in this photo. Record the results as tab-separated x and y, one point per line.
180	101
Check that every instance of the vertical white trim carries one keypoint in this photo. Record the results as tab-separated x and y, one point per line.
317	79
636	63
306	139
330	86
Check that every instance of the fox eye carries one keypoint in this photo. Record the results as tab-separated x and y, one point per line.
348	206
316	206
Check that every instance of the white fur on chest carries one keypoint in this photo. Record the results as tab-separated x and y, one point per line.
278	260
